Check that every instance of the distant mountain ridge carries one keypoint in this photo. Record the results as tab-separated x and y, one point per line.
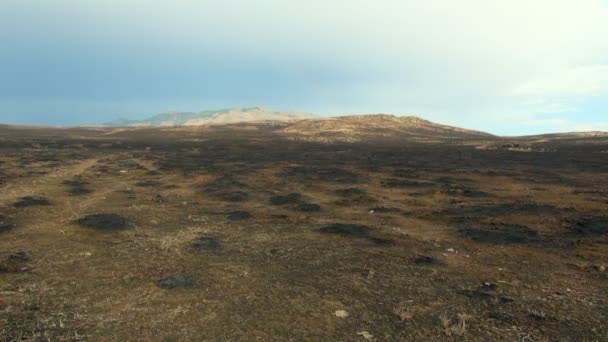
212	117
310	127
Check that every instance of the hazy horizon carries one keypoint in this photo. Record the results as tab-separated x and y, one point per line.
511	68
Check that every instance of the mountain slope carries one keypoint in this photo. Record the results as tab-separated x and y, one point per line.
377	127
213	117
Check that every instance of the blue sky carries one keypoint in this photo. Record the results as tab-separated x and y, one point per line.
507	67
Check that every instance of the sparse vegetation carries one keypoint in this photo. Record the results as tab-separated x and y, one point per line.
265	233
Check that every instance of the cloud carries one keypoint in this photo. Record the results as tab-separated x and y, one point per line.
469	62
574	82
562	125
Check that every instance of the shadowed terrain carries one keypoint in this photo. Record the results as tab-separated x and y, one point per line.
371	228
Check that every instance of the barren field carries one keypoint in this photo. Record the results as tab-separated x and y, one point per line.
242	234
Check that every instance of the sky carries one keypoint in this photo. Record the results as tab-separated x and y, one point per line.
506	67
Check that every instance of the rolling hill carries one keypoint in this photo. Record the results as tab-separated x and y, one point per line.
212	117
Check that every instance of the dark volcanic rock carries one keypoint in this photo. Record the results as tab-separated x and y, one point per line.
29	201
176	281
502	234
105	222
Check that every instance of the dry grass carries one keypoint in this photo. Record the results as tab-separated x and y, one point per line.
277	276
403	311
454	327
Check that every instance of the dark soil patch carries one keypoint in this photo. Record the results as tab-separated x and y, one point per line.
149	183
30	201
338	176
357	201
177	281
501	316
239	215
332	175
406	173
502	234
291	198
353	196
15	263
349	192
355	231
592	225
6	225
381	210
309	207
352	230
453	180
130	165
223	183
464	192
105	222
234	196
425	260
381	241
487	286
475	294
75	182
79	190
206	244
481	211
403	183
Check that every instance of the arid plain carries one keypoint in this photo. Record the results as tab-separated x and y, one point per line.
371	228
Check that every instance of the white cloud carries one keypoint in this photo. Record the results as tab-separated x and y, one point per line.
455	61
563	125
574	82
